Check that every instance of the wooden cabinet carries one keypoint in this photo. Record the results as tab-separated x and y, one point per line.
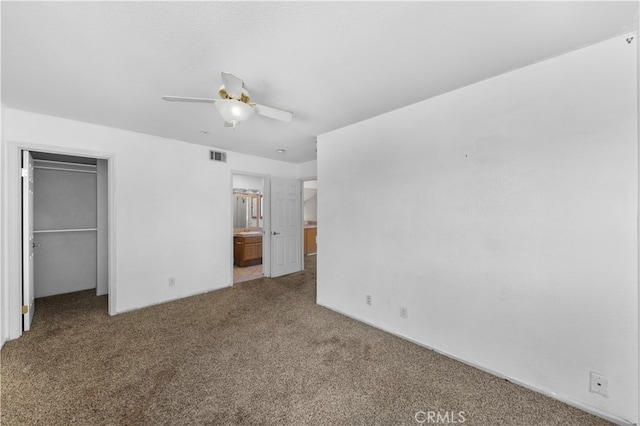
247	251
310	245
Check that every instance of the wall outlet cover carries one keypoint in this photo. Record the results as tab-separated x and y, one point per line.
599	384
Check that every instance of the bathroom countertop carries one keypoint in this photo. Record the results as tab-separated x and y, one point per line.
248	234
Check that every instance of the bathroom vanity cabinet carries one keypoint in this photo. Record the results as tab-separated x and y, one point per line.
247	250
310	245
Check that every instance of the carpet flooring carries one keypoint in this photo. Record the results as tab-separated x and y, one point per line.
259	353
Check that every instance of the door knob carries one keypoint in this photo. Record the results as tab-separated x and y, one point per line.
275	233
34	245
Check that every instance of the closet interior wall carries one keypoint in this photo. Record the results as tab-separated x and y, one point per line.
66	226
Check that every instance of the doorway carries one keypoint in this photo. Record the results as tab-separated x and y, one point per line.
266	226
65	227
248	227
310	216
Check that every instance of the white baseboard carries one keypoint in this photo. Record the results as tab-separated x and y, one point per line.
173	299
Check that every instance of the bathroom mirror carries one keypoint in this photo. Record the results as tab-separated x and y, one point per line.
247	211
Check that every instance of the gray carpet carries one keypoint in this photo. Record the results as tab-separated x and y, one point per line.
259	353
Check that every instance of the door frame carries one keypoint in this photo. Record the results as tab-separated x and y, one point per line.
266	221
12	228
28	242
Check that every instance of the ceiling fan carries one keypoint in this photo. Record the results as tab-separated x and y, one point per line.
234	104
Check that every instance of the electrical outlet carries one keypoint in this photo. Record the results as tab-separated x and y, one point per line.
172	282
403	312
599	384
368	299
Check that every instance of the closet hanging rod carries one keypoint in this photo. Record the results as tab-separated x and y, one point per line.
50	231
65	170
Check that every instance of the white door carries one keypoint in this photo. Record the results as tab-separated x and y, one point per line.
286	227
28	243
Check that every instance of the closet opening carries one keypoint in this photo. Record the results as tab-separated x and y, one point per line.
65	234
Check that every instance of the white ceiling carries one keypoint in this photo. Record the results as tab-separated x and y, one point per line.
330	63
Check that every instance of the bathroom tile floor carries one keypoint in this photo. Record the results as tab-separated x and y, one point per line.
247	273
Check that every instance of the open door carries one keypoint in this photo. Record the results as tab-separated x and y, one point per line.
28	244
286	227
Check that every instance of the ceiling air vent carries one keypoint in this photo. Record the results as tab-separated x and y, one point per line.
218	156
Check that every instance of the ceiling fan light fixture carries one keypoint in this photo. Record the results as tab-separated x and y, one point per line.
234	106
233	111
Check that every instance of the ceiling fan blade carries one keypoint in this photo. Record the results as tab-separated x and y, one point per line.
278	114
184	99
232	84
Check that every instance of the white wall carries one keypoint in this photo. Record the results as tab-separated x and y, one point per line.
64	262
520	254
310	205
248	182
307	170
171	206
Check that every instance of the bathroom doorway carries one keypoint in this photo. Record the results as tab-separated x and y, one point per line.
248	227
310	217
